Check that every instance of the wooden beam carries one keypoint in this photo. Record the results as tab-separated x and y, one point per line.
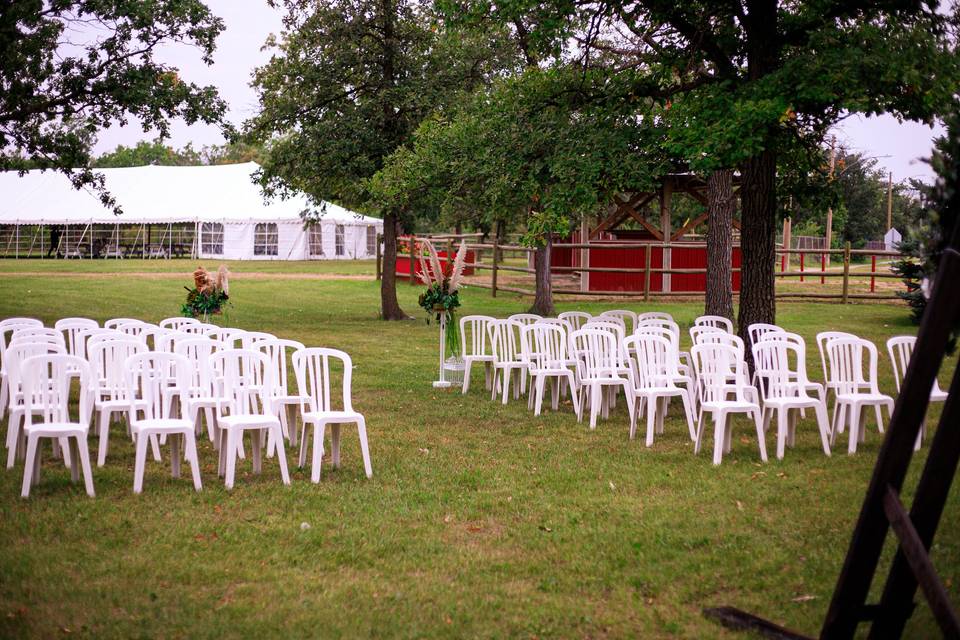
646	225
622	213
697	195
690	226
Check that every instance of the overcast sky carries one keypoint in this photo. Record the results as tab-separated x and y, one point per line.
899	147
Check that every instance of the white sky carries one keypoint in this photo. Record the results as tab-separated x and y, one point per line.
248	22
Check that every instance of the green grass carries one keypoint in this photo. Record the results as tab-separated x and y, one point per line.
185	266
480	520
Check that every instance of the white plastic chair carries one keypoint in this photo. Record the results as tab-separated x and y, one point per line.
721	372
900	349
7	327
108	357
151	379
313	371
786	389
508	357
698	332
830	386
285	399
177	323
72	329
475	347
46	381
16	353
576	319
525	318
245	405
714	321
113	323
652	366
599	367
853	369
628	317
758	330
201	393
549	359
653	315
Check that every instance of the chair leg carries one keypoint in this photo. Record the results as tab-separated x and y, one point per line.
651	419
302	458
761	436
688	412
364	446
782	427
256	447
318	437
855	411
72	461
83	452
155	447
139	462
32	464
595	400
466	377
14	437
822	425
879	413
174	455
574	396
538	402
194	459
231	458
719	427
335	445
282	457
699	439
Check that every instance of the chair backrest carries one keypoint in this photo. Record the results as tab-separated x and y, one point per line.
900	350
714	321
133	328
198	350
610	323
651	360
822	339
505	341
7	327
246	382
113	323
757	330
150	378
20	350
37	333
776	362
107	357
474	338
72	328
654	315
547	345
227	337
247	338
853	364
177	323
721	371
628	317
24	322
165	340
722	337
46	382
314	377
697	332
597	352
280	352
576	319
664	331
525	318
797	368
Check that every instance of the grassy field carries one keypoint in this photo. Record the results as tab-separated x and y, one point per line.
480	520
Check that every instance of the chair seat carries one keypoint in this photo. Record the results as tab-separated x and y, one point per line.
257	421
56	429
162	425
479	358
863	397
331	416
289	399
794	401
729	405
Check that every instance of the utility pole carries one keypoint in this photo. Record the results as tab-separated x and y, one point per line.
828	239
890	201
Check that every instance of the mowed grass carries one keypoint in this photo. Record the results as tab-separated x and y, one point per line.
480	520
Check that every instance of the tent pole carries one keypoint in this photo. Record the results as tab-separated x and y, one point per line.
16	253
169	240
42	256
91	239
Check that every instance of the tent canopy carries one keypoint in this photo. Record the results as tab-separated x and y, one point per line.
155	195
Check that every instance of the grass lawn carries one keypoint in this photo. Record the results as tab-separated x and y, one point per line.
480	520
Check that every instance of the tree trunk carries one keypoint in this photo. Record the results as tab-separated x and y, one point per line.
543	300
389	306
757	241
719	298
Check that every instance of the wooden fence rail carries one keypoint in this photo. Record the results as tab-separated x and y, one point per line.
785	259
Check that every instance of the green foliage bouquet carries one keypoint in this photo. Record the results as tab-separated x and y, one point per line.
209	295
442	296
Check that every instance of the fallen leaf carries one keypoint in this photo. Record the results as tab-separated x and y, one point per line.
422	450
803	598
447	518
613	487
474	529
739	505
545	528
781	475
744	440
758	474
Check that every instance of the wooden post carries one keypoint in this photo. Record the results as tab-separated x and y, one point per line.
413	262
449	260
496	258
585	253
828	235
787	233
666	194
379	253
648	250
873	272
846	272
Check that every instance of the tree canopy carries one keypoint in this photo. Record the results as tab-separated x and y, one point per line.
56	94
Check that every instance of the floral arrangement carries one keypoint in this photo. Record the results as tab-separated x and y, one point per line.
209	295
442	296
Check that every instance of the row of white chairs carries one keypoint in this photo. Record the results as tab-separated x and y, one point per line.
160	378
596	358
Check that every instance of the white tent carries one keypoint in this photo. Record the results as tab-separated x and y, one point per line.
225	210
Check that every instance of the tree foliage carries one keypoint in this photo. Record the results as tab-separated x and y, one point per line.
56	93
